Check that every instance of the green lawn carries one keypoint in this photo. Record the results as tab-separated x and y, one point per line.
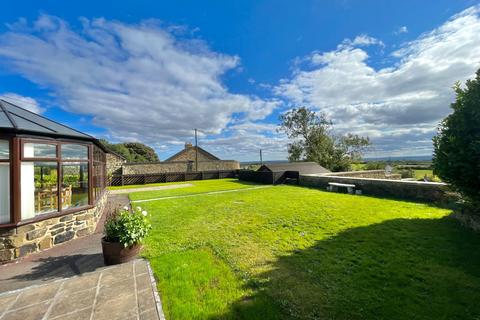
146	185
201	186
419	174
288	252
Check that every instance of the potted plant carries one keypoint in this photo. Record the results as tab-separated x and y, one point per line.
124	233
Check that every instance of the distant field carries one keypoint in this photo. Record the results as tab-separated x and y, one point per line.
288	252
419	174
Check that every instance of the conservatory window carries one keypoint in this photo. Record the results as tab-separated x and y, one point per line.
39	188
74	184
74	151
39	150
4	181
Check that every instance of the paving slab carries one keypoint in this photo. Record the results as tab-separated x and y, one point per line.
70	281
126	291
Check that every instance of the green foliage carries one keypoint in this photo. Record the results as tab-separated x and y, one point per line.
375	165
405	173
288	252
313	140
133	151
456	157
127	228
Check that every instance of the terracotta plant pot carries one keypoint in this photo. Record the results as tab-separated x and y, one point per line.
116	253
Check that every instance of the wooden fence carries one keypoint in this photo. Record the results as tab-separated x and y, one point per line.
130	179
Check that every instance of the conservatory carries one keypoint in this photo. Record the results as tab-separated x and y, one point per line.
52	182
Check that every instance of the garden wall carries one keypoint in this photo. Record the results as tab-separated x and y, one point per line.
424	191
371	174
17	242
114	164
179	166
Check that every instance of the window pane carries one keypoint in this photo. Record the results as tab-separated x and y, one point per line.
4	149
4	193
39	188
75	184
74	151
39	150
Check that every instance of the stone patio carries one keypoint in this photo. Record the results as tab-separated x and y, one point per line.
70	281
125	291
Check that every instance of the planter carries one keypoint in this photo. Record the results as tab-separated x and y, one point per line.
116	253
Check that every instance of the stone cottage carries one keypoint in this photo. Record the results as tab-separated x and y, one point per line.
190	159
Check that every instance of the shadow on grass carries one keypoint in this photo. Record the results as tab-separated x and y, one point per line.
398	269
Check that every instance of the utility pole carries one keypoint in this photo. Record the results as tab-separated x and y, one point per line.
261	157
196	151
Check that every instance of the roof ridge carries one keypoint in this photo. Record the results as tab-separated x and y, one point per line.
7	114
43	117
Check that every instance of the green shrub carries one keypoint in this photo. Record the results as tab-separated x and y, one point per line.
406	173
374	165
456	156
127	228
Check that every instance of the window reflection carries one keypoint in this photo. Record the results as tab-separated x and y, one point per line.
4	192
39	150
39	188
4	149
74	151
74	184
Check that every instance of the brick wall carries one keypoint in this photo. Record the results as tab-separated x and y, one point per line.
20	241
179	166
424	191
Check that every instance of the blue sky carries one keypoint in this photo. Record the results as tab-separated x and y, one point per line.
151	71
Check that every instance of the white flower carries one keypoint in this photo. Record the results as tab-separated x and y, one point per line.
125	208
139	209
145	213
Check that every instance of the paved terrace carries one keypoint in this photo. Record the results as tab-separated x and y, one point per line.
71	281
120	292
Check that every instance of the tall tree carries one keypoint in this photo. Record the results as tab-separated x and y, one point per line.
456	157
133	151
313	140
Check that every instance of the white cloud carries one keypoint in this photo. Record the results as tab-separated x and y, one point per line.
363	40
402	29
25	102
137	80
392	104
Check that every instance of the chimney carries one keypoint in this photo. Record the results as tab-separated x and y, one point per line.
188	145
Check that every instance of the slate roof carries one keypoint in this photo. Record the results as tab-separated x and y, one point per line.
200	150
301	167
18	120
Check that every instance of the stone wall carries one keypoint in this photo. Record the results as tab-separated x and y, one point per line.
179	166
423	191
114	164
371	174
20	241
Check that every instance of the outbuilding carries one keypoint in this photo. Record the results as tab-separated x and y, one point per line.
52	182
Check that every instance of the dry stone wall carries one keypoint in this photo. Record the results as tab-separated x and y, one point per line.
179	166
17	242
114	164
370	174
424	191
